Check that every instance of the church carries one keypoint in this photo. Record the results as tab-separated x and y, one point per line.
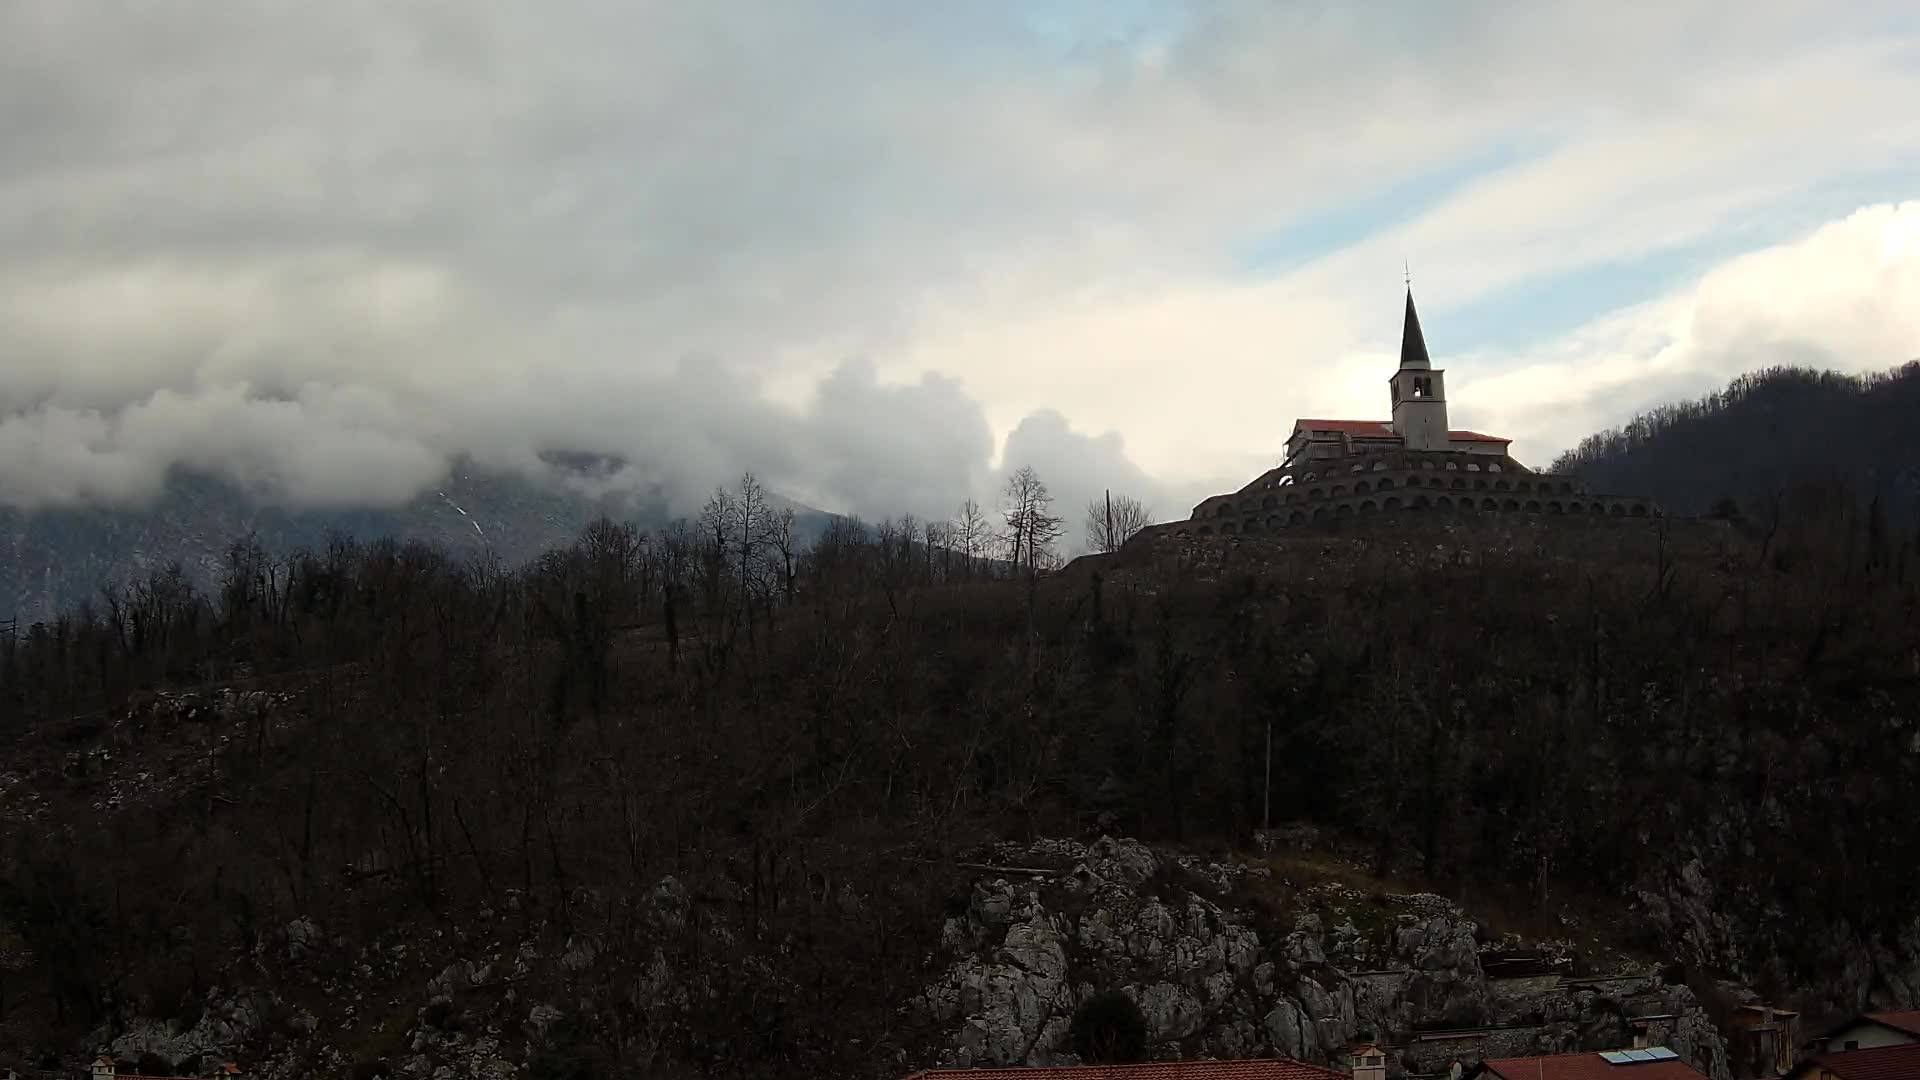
1414	463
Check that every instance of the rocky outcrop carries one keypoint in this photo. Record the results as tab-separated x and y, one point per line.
1711	913
1226	961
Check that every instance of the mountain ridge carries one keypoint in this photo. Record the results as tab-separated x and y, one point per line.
1768	438
53	559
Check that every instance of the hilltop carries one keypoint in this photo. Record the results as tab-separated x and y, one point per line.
1770	442
638	806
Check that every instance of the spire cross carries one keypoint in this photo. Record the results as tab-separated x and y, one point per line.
1409	269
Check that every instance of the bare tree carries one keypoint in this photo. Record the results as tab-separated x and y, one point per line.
937	540
784	551
969	532
1031	527
1114	520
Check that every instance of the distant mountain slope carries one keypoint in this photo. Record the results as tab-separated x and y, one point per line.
1764	436
52	559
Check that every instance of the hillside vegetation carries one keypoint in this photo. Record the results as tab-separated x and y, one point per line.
1769	435
53	558
798	742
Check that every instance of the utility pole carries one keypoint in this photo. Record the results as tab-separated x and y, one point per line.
1266	800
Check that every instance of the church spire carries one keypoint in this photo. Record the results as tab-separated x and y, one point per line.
1413	344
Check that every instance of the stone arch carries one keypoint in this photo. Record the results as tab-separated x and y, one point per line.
1459	482
1566	488
1511	506
1274	522
1639	509
1443	503
1296	518
1338	490
1311	477
1499	485
1381	466
1493	466
1480	483
1597	509
1356	468
1453	466
1533	506
1489	504
1343	510
1429	466
1617	510
1368	507
1554	507
1471	467
1392	504
1319	513
1386	483
1360	488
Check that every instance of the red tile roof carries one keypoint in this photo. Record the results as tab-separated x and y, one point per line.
1262	1069
1367	429
1879	1063
1907	1020
1383	429
1588	1066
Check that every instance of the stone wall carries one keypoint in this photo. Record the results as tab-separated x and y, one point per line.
1313	494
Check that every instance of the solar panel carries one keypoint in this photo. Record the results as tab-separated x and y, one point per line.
1661	1053
1616	1057
1640	1055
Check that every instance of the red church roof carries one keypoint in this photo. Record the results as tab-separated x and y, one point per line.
1262	1069
1362	429
1383	429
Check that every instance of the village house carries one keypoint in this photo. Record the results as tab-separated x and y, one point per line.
1368	1064
1872	1030
1761	1041
1652	1063
1412	463
1898	1062
105	1068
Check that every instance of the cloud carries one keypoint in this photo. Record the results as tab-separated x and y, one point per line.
873	251
1845	297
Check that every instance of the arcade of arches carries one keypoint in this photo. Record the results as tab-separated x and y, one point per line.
1462	485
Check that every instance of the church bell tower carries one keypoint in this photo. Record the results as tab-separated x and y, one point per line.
1419	390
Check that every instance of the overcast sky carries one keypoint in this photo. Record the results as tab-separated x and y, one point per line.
877	251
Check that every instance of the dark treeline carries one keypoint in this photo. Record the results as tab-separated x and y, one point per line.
1767	433
805	738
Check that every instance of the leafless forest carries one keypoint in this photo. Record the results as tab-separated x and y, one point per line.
808	739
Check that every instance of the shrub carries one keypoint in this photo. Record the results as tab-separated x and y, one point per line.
1109	1029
